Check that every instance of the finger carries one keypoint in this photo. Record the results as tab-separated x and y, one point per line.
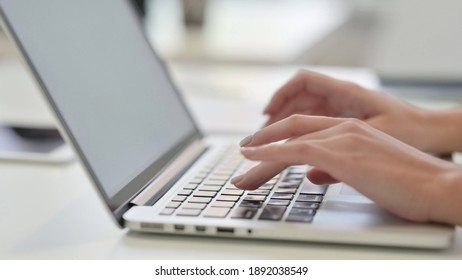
303	81
258	175
314	153
294	126
320	177
303	104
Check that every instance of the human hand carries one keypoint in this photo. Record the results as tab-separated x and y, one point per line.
397	176
311	93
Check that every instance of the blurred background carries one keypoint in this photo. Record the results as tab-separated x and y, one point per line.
413	46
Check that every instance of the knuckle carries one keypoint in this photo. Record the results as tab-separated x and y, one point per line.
296	120
296	123
353	125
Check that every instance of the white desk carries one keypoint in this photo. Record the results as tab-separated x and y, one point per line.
53	212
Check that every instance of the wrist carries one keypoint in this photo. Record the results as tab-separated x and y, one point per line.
442	131
446	192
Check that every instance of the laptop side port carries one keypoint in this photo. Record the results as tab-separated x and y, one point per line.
179	227
152	226
200	228
225	230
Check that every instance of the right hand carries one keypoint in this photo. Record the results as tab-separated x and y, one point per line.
400	178
311	93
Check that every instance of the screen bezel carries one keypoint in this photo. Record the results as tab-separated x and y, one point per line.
120	202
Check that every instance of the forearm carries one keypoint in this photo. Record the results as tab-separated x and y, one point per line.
443	131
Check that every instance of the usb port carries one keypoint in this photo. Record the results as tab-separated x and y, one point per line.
226	230
200	228
179	227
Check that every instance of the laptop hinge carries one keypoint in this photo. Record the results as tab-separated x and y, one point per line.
180	163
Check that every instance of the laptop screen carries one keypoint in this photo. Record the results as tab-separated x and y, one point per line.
111	92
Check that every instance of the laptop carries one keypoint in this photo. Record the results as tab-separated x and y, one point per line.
150	164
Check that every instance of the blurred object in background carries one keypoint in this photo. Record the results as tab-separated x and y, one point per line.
419	41
194	12
240	31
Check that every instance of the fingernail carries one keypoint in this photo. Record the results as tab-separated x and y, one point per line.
246	141
237	179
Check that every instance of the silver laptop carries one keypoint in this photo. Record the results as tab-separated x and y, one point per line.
149	162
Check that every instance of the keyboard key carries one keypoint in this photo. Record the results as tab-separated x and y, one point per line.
253	204
259	192
215	182
210	188
173	204
199	200
255	198
286	190
296	175
298	169
294	181
185	192
200	206
306	204
202	174
309	198
179	198
218	177
223	173
279	202
189	212
272	213
217	212
302	212
244	213
190	186
167	211
225	204
310	188
233	192
283	196
300	219
273	180
204	194
268	188
195	181
232	198
288	186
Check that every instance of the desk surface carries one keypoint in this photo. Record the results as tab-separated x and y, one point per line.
53	212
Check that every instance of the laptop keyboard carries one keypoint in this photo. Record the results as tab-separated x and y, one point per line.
288	196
